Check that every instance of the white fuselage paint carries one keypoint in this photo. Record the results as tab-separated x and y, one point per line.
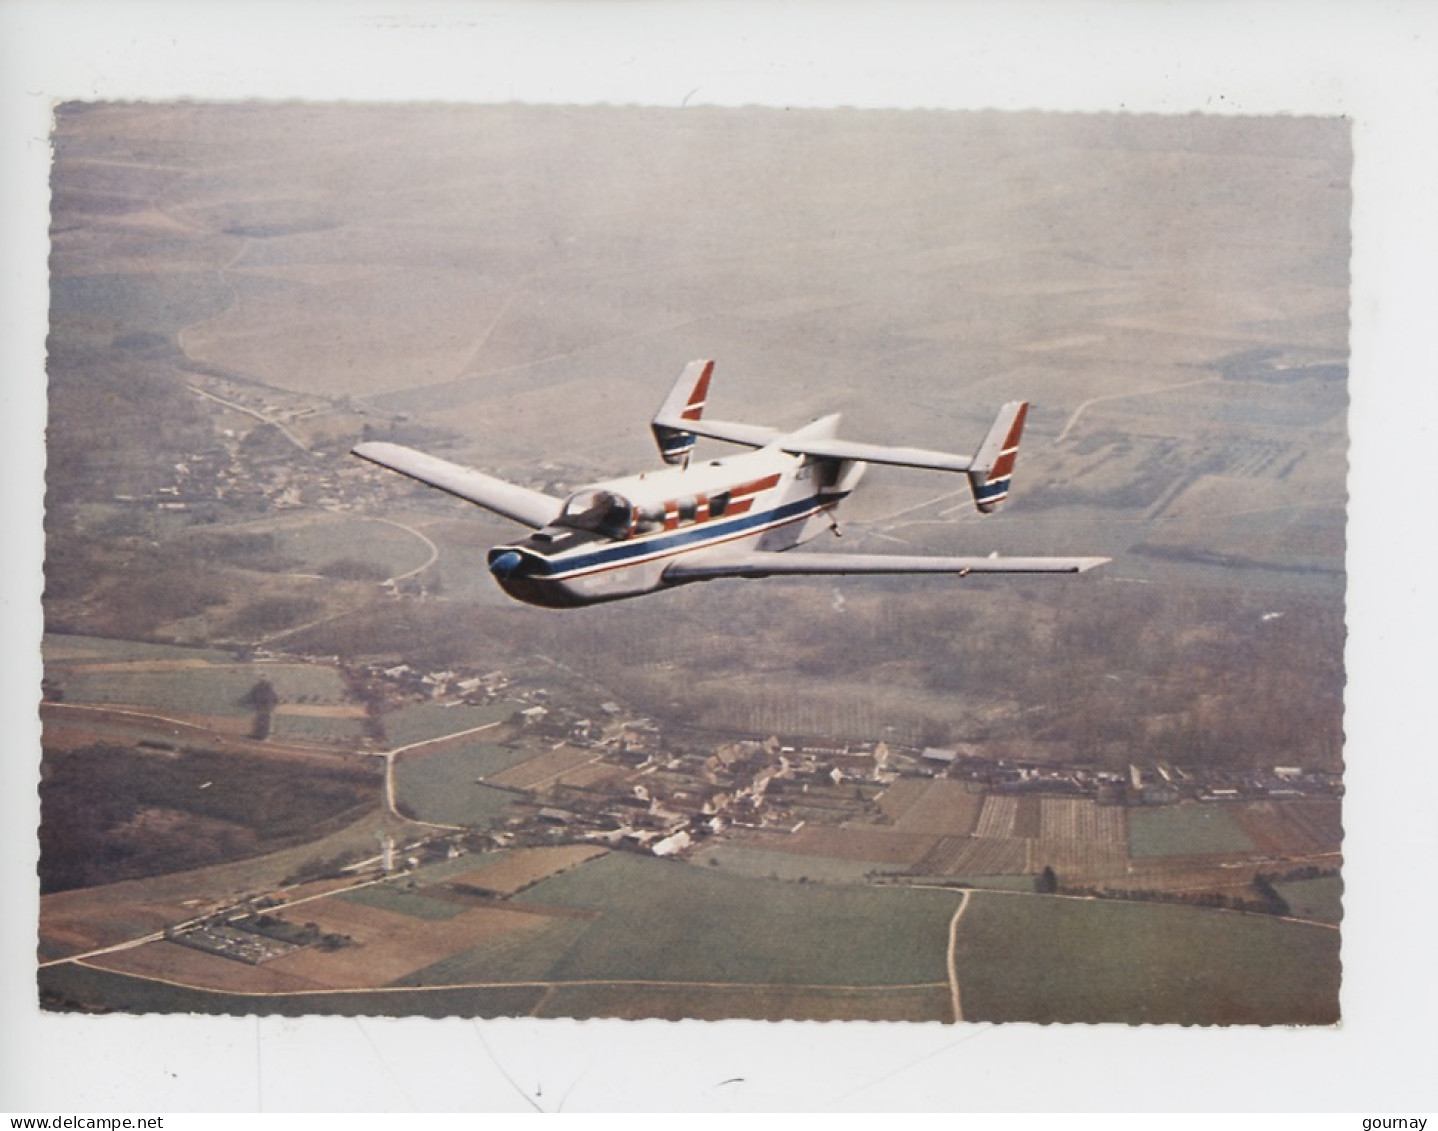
765	500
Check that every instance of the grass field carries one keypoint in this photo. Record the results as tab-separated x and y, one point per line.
72	650
663	921
432	720
1046	959
441	786
994	883
1185	830
210	689
759	863
1320	898
316	727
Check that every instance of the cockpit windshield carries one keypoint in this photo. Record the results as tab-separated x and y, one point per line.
602	512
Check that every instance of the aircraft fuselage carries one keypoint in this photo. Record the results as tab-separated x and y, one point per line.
616	539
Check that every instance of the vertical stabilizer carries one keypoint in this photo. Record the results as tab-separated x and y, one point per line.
685	402
993	464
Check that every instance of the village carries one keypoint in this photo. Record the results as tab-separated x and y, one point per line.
623	783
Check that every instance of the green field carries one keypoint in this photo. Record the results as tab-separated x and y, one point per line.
1047	959
994	883
441	786
665	921
759	863
316	728
1195	829
1320	898
215	689
433	720
57	648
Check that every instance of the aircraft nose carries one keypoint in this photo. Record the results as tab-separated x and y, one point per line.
504	564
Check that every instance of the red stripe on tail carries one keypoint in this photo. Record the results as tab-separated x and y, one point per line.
697	399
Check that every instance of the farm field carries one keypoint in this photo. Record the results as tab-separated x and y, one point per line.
1293	827
1047	959
959	856
539	770
444	785
403	901
67	650
421	721
941	807
510	871
208	689
883	849
449	797
1187	829
338	724
1320	898
762	863
670	922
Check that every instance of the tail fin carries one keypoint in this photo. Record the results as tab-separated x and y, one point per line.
993	464
685	402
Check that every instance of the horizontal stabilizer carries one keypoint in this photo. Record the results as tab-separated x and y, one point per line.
875	453
771	564
523	505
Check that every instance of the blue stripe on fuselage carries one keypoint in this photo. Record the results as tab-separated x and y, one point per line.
616	554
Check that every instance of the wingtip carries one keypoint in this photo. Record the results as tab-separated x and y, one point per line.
373	451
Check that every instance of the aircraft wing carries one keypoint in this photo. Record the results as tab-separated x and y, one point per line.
769	564
523	505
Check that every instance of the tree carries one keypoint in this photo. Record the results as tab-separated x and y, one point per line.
263	698
1046	882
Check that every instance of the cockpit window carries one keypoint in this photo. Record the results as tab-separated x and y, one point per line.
603	512
649	518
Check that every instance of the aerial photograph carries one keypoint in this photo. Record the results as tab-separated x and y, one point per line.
696	563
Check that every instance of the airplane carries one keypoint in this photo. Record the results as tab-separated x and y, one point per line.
739	516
